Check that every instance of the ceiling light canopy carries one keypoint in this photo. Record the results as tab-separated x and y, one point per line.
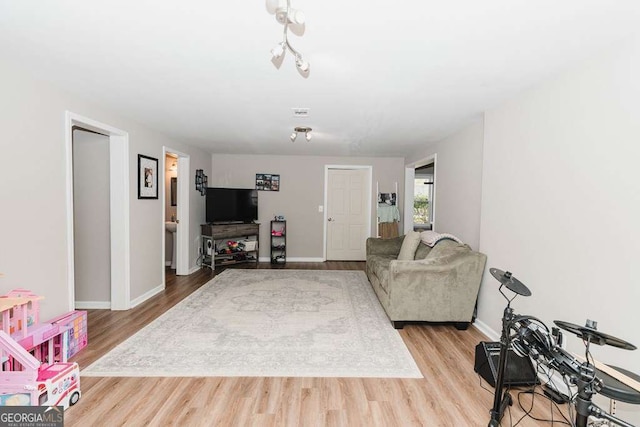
301	129
285	15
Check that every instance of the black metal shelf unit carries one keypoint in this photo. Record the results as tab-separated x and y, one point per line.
278	242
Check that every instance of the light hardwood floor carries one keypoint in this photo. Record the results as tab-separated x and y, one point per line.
450	394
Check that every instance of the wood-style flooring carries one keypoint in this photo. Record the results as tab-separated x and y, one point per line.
450	394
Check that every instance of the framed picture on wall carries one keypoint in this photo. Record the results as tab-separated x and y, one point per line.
147	177
267	182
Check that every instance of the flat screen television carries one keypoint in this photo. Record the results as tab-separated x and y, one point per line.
231	205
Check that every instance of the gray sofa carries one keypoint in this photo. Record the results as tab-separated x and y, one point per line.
441	284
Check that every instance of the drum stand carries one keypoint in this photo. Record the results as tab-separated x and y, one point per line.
502	400
587	387
586	381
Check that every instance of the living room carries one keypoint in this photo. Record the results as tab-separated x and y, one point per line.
542	182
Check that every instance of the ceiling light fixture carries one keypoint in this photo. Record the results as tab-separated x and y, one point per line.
300	129
286	15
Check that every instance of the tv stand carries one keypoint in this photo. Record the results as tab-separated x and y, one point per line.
214	240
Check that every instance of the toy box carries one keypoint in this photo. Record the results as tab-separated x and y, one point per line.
249	245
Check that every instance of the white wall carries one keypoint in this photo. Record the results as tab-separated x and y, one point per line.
561	202
301	192
458	182
92	245
33	248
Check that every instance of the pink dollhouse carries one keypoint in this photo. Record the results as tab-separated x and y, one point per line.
53	341
33	355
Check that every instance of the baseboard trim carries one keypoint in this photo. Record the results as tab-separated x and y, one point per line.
142	298
167	263
194	269
93	305
294	259
487	330
302	259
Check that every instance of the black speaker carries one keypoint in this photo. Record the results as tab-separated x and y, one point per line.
518	371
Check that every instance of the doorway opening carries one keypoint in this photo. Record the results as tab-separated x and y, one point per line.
423	197
92	258
170	210
420	190
176	215
119	246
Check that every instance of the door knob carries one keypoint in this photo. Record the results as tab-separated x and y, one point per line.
329	219
177	221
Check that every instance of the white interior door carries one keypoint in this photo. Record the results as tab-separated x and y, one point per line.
347	214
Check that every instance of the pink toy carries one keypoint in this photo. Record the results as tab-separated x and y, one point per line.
20	310
75	336
49	342
27	382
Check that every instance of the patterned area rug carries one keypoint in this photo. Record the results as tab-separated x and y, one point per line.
293	323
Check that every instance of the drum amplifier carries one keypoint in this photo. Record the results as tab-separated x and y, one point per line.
519	371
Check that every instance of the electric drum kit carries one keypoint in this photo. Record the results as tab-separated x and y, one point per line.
527	336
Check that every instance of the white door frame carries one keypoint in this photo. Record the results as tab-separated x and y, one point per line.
409	177
368	199
183	227
119	209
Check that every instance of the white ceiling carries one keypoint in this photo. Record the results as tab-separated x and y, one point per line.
386	77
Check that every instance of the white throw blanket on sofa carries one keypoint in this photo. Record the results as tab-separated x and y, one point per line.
430	238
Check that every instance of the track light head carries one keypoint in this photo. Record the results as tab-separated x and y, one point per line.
286	15
274	5
302	64
307	136
295	17
293	136
281	15
278	50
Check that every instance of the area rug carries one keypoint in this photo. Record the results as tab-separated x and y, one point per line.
293	323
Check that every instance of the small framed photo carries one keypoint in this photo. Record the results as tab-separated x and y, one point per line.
147	177
267	182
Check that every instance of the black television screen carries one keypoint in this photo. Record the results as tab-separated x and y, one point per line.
231	205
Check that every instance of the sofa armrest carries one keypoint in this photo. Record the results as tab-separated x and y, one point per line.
444	291
377	246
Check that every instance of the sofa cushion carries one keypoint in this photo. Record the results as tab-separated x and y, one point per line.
422	251
409	246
